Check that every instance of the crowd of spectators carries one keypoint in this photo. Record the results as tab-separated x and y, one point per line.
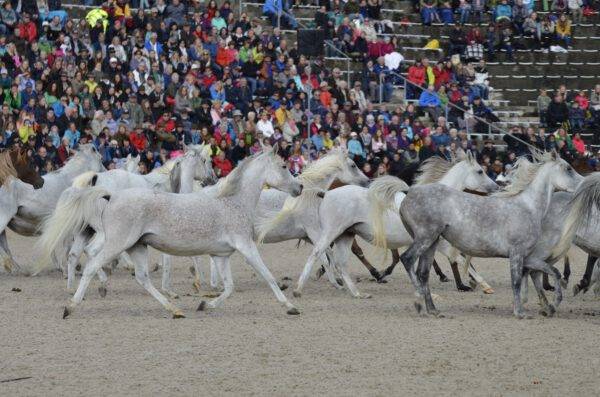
149	81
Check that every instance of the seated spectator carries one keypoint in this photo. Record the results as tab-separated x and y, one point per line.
575	9
520	12
576	117
559	6
429	12
506	43
464	7
458	40
503	12
546	34
563	31
430	103
446	14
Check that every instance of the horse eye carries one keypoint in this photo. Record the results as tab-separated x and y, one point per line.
284	166
353	165
480	172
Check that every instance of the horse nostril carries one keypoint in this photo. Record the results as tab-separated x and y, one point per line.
301	188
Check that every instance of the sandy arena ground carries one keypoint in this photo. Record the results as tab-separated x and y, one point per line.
126	344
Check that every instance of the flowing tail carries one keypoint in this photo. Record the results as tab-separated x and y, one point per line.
382	192
582	204
76	209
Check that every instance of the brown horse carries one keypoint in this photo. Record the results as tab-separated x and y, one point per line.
15	164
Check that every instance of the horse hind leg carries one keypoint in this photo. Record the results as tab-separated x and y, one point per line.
584	283
166	277
423	269
342	249
546	308
390	269
358	252
224	269
439	272
540	265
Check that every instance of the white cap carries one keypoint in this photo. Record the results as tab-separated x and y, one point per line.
113	59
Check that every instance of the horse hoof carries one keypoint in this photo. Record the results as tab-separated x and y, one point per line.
283	286
464	288
381	281
102	291
192	270
444	279
297	294
548	311
196	286
418	307
364	296
178	314
293	311
488	291
8	265
576	289
66	312
564	282
201	306
548	288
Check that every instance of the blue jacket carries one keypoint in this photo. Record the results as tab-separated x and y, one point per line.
354	147
150	47
442	139
429	98
272	6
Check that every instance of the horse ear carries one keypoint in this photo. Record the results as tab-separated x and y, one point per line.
554	154
470	157
275	148
129	157
184	147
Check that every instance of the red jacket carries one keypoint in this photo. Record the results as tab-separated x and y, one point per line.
28	31
169	124
416	74
138	141
224	166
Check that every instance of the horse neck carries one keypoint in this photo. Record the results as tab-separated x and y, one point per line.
455	177
251	185
539	191
186	177
156	177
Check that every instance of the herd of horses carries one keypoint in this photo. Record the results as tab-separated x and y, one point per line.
182	209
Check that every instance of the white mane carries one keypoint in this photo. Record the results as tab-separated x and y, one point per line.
523	173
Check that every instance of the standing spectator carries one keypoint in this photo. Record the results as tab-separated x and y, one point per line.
543	101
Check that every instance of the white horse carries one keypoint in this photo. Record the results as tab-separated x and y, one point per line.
178	224
347	211
32	206
194	165
132	164
280	217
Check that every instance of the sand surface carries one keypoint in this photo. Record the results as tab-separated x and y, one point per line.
127	344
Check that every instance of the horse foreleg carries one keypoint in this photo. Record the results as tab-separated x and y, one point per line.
358	252
584	284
